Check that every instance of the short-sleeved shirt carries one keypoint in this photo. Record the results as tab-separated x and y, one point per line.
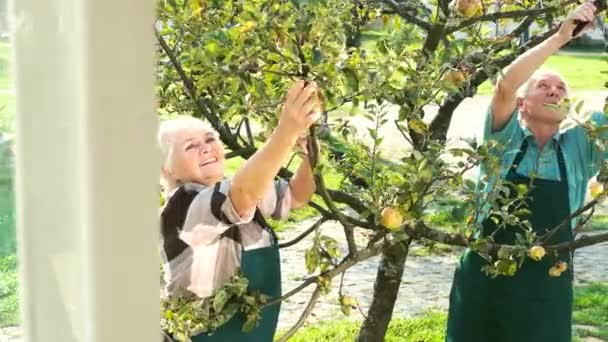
581	157
208	260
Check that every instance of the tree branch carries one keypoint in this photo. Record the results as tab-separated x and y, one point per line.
322	190
311	304
440	124
566	222
304	234
408	16
346	263
501	15
583	241
421	230
243	152
201	104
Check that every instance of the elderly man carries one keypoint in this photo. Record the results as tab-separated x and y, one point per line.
532	305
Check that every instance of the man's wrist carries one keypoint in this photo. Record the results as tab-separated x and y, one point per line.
560	39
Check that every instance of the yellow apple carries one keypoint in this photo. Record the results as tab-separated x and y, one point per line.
466	8
537	252
390	218
454	77
596	189
555	271
248	26
470	219
562	266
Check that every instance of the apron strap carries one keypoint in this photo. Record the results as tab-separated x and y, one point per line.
561	163
519	156
560	159
217	200
564	178
259	219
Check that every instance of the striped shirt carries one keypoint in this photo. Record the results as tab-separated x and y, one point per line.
200	251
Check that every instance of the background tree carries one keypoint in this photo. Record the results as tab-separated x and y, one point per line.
230	62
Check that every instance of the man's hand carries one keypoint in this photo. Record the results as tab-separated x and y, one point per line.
584	13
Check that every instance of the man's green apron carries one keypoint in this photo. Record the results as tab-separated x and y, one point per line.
530	306
262	268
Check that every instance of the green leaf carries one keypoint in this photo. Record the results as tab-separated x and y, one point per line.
219	300
251	322
417	126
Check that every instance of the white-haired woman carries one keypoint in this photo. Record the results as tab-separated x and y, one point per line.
212	226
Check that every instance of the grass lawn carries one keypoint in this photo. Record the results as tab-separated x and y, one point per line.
7	99
427	328
591	312
5	65
597	223
9	312
581	72
590	319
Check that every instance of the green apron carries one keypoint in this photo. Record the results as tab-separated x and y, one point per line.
262	267
530	306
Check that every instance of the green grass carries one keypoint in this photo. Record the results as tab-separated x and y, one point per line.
427	328
9	304
7	113
597	223
5	65
581	72
591	309
7	101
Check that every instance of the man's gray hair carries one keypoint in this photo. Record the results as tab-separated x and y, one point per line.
525	88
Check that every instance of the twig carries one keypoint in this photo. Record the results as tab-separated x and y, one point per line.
346	263
311	304
299	238
322	190
243	152
581	242
566	222
403	133
282	73
192	92
503	15
408	16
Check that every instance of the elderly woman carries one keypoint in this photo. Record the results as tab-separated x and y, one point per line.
212	226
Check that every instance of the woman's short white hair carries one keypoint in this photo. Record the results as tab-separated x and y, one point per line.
167	131
523	90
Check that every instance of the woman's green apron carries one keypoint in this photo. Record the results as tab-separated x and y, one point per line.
262	268
530	306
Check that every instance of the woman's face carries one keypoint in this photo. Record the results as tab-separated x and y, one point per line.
198	157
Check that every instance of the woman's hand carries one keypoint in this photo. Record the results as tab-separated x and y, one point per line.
300	109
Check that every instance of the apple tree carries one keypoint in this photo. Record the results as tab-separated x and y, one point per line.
379	63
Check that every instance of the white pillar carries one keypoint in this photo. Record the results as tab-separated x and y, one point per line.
87	170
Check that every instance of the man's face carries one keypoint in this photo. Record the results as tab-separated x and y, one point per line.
545	91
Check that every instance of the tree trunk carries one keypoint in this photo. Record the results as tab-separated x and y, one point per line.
386	289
